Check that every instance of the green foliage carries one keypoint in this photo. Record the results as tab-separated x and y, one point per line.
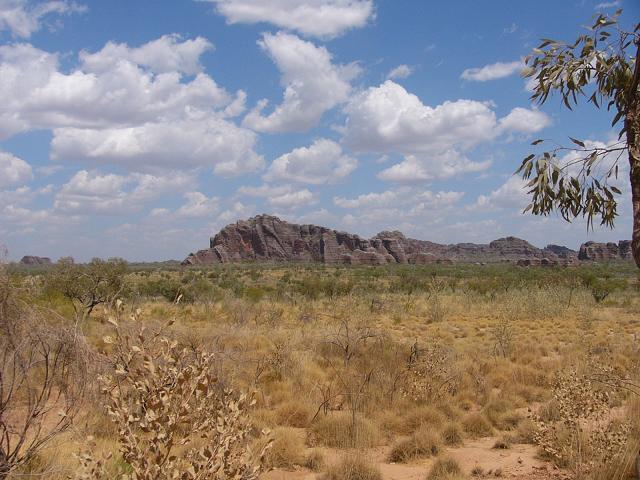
87	285
598	66
601	287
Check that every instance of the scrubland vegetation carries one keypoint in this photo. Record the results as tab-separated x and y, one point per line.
442	372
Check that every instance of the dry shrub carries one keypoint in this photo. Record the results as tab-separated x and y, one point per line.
287	449
477	425
498	413
172	414
452	434
294	414
445	469
337	430
583	438
423	443
423	415
525	433
42	381
353	467
315	460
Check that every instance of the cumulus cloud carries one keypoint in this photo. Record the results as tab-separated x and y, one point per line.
401	71
411	210
168	53
284	196
319	18
510	195
388	118
312	85
321	162
131	106
94	193
493	71
198	205
188	143
433	140
524	120
13	170
431	167
23	17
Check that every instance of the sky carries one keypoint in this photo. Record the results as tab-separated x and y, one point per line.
139	128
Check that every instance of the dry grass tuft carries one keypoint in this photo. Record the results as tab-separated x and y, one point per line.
452	434
353	468
477	425
294	414
422	444
315	460
338	430
445	469
287	449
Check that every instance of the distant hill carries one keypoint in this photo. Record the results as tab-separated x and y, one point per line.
267	238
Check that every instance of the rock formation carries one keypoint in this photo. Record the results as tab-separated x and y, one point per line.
266	238
599	252
33	260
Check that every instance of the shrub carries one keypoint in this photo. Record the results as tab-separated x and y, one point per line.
162	396
315	460
452	434
445	469
353	468
294	414
477	425
422	444
287	449
337	430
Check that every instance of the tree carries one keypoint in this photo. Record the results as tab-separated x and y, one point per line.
42	380
601	66
89	285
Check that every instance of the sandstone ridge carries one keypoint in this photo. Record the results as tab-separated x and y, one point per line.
267	238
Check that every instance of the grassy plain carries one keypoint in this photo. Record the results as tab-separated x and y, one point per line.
403	372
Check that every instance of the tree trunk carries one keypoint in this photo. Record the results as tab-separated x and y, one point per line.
632	124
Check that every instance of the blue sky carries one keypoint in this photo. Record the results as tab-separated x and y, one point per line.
140	128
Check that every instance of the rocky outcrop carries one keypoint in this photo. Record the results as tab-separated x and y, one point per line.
604	252
266	238
33	260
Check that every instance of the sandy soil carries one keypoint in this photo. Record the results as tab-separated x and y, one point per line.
518	462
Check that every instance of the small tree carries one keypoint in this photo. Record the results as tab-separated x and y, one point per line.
601	66
42	380
89	285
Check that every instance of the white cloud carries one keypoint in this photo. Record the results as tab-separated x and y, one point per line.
312	83
167	54
493	71
373	199
23	17
34	93
140	115
284	196
388	119
604	5
92	192
427	167
511	195
322	162
189	143
198	205
13	170
319	18
401	71
525	120
236	212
